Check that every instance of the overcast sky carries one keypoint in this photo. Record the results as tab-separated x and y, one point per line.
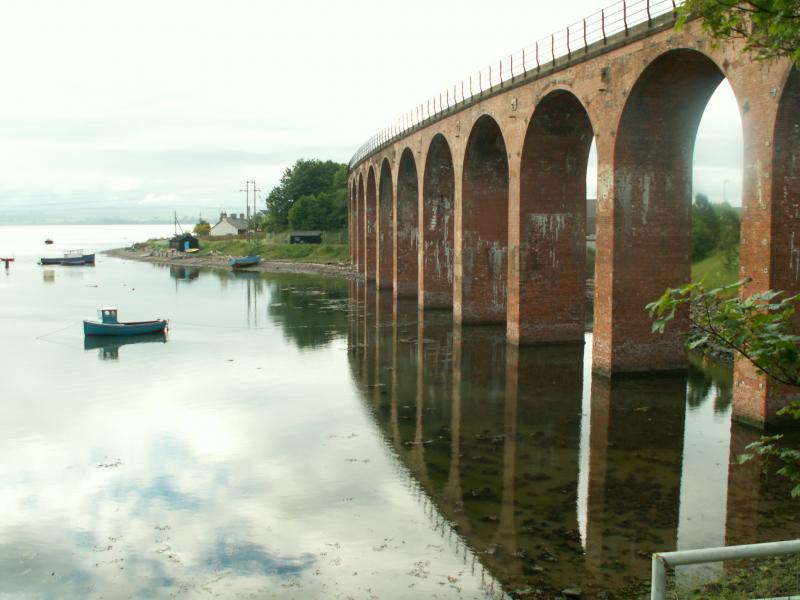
122	107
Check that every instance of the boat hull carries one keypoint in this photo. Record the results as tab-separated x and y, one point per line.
86	259
116	329
244	262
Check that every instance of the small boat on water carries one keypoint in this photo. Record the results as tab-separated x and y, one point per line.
48	241
109	325
71	258
244	261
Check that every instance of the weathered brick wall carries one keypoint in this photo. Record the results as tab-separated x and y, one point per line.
547	273
407	227
436	230
484	227
361	262
385	232
371	227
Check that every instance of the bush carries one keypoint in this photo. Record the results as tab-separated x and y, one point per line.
202	227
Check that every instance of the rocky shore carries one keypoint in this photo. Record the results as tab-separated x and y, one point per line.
219	261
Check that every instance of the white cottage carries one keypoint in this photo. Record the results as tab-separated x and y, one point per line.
229	225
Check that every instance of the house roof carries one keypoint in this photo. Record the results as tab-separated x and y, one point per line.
238	223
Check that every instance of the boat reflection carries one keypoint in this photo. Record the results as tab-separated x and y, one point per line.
184	273
108	347
555	477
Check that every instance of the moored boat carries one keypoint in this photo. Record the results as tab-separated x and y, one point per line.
70	258
109	325
244	261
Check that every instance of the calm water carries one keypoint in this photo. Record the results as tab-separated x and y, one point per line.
302	437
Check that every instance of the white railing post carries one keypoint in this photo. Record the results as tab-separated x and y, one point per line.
658	582
662	560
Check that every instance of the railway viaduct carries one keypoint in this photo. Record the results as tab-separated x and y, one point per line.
478	205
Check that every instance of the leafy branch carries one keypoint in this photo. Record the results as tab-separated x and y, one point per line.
769	28
757	327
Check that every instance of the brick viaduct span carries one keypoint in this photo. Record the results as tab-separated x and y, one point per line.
480	207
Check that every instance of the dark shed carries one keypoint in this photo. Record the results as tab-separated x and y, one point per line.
184	242
305	237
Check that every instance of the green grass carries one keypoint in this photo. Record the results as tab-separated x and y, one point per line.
278	251
713	272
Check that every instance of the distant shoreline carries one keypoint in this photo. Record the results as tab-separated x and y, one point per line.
85	223
220	262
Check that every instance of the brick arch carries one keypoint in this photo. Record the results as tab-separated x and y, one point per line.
361	236
406	237
651	230
480	294
436	248
385	229
547	299
352	221
371	226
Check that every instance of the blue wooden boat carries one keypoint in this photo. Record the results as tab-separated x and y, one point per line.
244	261
109	325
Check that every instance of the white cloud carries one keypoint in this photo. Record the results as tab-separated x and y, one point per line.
189	99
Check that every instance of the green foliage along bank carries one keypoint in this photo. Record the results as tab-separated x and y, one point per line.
313	253
715	227
311	195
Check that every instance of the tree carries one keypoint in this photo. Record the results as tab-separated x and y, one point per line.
322	211
278	205
729	234
202	227
758	328
309	212
769	28
705	228
309	179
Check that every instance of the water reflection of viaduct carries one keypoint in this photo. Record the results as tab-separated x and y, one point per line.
550	485
481	207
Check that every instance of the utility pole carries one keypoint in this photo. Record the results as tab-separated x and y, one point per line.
251	222
255	208
246	191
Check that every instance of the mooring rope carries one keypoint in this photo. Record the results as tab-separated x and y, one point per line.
44	335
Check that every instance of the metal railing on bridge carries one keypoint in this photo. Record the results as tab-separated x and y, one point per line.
539	57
